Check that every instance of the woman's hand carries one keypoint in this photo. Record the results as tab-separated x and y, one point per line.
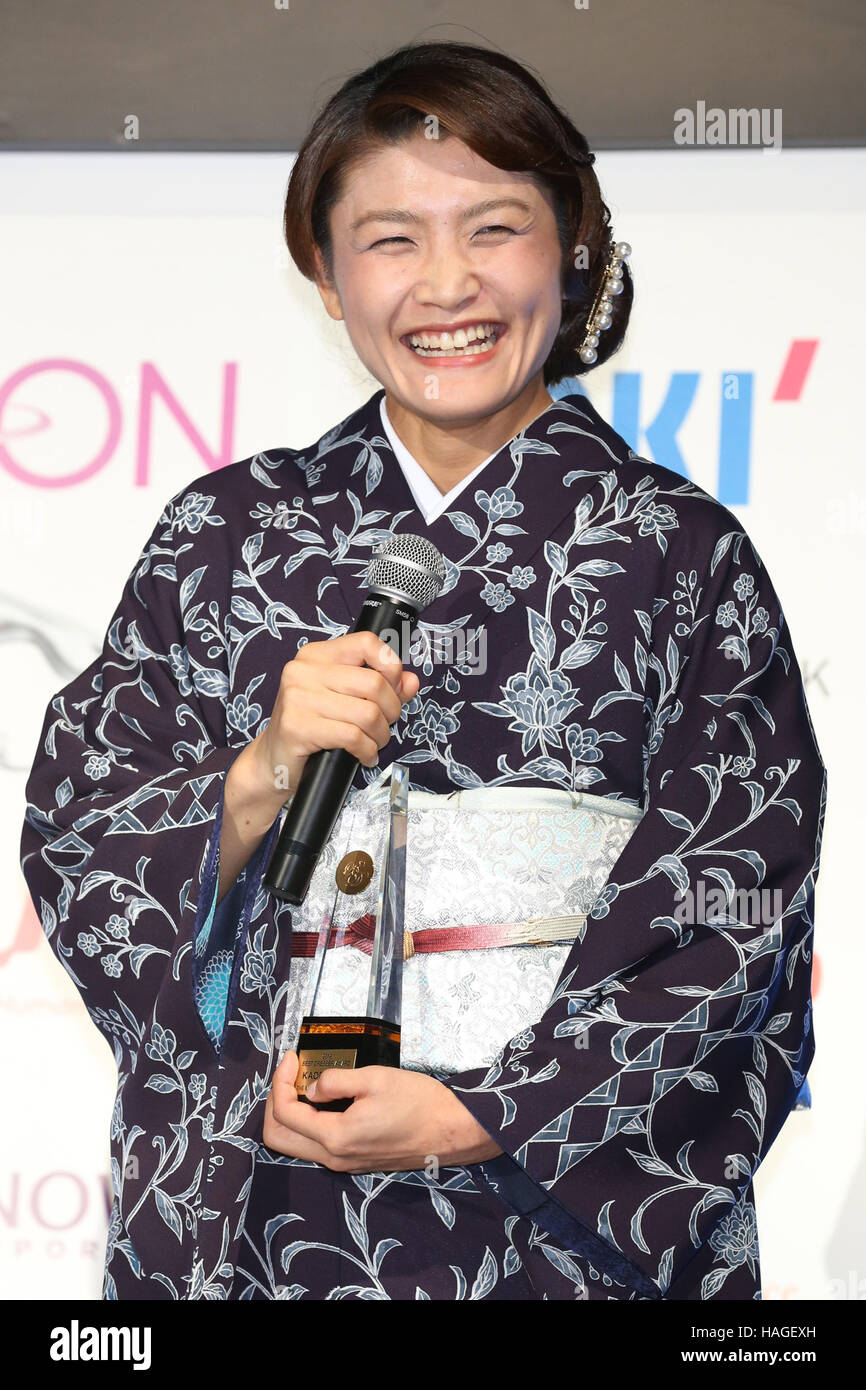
344	692
398	1120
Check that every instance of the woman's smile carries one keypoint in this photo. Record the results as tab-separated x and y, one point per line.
468	344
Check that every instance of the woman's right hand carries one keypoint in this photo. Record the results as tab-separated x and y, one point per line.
344	692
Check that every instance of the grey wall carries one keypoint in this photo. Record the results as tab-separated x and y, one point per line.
245	75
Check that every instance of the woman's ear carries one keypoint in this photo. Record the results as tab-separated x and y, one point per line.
326	287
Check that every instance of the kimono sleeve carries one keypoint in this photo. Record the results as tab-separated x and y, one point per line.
635	1112
124	800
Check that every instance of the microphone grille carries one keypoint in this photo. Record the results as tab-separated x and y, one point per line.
410	566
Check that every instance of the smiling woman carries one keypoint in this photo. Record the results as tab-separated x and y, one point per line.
602	1039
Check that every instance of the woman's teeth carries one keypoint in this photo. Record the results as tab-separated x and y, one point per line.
465	342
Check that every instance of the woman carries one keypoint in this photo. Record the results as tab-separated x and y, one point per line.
636	660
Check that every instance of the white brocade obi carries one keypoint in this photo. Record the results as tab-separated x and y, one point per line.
478	857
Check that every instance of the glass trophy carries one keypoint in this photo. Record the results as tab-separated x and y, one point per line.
371	1038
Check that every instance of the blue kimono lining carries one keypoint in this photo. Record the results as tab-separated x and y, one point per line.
214	958
217	943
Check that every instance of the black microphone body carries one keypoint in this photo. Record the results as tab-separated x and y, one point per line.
327	776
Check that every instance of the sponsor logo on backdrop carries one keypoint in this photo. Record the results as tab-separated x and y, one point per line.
54	1215
24	416
26	934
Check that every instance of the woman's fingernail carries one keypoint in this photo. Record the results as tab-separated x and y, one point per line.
311	1091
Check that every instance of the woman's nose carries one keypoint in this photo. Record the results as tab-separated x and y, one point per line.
448	281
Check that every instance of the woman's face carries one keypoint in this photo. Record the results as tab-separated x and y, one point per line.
428	236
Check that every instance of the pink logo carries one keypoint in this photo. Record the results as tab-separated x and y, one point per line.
152	387
26	936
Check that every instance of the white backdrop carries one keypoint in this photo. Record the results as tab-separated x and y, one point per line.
155	328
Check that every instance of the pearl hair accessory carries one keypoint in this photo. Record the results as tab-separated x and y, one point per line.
600	316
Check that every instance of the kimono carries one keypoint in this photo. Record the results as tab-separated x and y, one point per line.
635	650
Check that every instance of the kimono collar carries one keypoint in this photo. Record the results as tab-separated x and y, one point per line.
360	495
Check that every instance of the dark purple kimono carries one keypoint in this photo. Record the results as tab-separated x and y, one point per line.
636	649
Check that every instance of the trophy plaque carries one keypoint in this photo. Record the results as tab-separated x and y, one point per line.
371	1038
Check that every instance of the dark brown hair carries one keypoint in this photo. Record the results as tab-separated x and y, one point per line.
505	115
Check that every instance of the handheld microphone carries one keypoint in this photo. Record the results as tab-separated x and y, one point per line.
406	573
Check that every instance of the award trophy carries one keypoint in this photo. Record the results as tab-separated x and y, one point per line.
372	1038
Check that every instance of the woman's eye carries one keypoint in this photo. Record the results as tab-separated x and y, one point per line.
396	240
385	241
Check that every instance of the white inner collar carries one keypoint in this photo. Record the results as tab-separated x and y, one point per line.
430	501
